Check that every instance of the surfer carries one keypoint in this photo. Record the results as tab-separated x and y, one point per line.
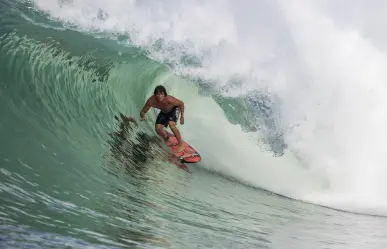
168	115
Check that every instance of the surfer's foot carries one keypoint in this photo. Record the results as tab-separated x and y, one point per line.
179	151
180	148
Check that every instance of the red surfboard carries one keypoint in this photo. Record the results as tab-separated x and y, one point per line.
190	154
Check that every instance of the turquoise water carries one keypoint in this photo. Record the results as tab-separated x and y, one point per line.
79	170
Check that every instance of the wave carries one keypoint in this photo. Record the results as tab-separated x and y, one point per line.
270	98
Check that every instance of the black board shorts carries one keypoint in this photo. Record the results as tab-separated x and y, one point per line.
164	118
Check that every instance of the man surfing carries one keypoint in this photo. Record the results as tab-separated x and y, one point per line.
168	115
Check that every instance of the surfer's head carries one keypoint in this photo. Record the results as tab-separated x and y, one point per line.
160	92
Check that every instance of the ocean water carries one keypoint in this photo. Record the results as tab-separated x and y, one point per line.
285	101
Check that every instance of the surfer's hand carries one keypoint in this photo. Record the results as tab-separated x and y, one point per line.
181	120
142	117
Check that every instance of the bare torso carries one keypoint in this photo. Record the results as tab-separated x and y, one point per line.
163	105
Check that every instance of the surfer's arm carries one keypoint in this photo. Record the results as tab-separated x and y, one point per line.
181	107
145	109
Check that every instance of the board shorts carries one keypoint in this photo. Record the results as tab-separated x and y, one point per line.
164	118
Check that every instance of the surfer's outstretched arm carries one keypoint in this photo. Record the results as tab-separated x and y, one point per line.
145	109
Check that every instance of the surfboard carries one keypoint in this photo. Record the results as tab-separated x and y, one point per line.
190	154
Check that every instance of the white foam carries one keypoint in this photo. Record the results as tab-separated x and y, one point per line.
343	132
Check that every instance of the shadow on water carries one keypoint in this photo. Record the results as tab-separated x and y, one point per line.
134	150
131	148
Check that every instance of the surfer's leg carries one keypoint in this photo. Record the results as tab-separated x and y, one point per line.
161	122
176	132
161	132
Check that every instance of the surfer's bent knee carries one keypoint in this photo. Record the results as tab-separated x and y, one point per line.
172	124
158	127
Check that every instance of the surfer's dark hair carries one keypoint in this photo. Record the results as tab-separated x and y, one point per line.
160	89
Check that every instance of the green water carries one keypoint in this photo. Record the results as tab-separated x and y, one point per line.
77	172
